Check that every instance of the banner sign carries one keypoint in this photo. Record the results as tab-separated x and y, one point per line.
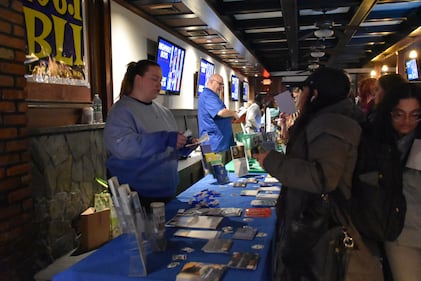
55	41
55	28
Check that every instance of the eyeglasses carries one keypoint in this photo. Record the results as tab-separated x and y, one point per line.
399	115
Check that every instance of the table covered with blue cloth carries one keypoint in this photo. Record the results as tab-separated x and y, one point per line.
113	260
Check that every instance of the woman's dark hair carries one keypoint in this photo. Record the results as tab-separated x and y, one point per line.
133	69
332	85
382	122
258	99
390	82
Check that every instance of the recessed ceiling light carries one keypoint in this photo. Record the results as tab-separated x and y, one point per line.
385	68
413	54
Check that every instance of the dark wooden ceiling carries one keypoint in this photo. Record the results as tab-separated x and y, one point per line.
279	35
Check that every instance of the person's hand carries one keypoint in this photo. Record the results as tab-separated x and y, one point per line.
236	116
260	157
181	140
194	144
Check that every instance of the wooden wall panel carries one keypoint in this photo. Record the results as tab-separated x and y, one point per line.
57	92
41	117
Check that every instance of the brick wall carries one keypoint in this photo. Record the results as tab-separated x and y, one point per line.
16	205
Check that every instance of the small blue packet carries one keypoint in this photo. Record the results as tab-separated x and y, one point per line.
220	173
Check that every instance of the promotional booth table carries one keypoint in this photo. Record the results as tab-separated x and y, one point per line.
112	260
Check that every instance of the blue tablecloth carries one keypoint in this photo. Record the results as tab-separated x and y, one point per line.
112	261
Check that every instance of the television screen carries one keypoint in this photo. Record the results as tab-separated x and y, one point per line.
206	70
245	91
171	59
235	85
412	69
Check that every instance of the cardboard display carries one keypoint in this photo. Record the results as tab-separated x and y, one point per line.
95	228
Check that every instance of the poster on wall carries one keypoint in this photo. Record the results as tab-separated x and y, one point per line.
55	50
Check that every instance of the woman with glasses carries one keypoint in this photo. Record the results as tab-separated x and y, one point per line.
391	141
397	125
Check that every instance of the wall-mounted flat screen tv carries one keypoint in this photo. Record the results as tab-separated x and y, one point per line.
245	91
412	70
205	71
235	88
171	59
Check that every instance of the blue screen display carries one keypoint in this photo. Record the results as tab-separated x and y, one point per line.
412	69
171	59
235	88
245	91
206	70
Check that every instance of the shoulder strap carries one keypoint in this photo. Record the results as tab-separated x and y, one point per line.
340	214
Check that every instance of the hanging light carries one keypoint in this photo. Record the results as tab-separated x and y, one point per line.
313	66
323	33
317	54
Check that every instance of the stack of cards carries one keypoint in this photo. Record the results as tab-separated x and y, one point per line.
217	246
244	260
245	233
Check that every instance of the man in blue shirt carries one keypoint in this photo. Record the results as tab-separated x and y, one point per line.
214	117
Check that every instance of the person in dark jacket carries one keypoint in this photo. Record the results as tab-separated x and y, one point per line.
320	158
396	128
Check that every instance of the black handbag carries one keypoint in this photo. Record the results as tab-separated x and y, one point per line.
341	254
325	247
321	243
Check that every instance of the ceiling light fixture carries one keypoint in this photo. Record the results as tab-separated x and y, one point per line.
323	33
385	68
313	66
266	82
317	54
413	54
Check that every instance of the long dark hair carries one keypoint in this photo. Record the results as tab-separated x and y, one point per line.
332	85
390	82
133	69
382	122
